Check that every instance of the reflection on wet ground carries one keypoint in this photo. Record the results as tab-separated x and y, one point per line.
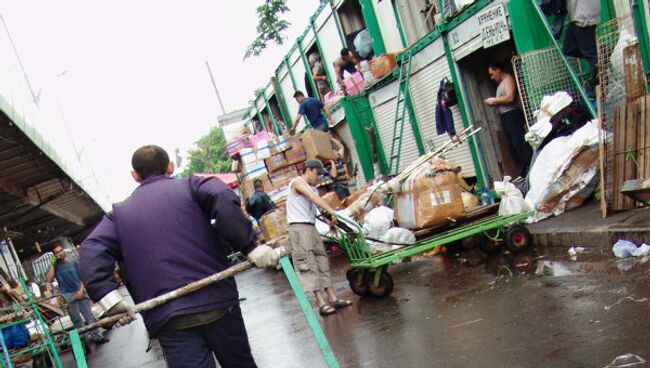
465	309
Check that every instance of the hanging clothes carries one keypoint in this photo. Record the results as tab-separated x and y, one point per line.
444	117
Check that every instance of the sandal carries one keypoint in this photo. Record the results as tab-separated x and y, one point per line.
326	310
340	303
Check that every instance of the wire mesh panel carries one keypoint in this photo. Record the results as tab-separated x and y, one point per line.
540	73
621	80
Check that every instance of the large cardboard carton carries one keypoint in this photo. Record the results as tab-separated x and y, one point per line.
382	65
296	153
318	145
279	144
333	200
254	169
428	198
246	186
276	162
233	147
281	178
274	223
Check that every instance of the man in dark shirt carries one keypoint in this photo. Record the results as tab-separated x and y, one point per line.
168	233
66	272
312	108
259	203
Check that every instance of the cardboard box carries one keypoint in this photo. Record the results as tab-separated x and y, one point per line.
247	155
233	147
382	65
333	200
276	162
426	200
318	145
254	169
279	144
296	152
246	186
281	178
274	223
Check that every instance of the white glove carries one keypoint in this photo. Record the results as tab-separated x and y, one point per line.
264	256
113	303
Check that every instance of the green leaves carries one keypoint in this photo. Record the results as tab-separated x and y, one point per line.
270	27
210	155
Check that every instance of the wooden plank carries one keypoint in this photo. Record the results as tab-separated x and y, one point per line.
601	153
640	142
617	157
630	149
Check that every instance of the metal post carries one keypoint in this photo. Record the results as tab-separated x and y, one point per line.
216	91
323	61
319	335
640	22
400	28
338	24
19	265
268	107
372	24
77	349
282	103
307	68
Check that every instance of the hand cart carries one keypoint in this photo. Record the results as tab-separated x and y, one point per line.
368	274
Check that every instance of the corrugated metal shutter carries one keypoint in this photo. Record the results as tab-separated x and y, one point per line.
343	130
288	90
383	103
424	91
468	48
329	40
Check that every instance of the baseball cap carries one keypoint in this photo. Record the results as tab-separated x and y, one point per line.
316	164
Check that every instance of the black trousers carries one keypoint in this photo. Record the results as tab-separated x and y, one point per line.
580	42
224	339
521	152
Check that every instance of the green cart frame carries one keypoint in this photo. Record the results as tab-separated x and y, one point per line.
368	274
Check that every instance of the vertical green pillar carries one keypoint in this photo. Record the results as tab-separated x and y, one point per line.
282	101
463	113
259	115
78	349
295	87
398	23
268	107
338	24
323	61
640	22
370	17
307	68
526	26
354	107
415	128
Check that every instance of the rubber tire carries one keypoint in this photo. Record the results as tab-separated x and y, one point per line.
385	285
489	246
359	288
518	239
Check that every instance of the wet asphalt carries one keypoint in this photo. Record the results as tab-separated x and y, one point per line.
465	309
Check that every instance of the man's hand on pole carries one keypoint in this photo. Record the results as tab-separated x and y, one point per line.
264	256
114	304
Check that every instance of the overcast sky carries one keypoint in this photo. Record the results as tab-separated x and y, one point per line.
129	73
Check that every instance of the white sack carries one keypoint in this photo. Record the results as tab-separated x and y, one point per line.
512	201
378	221
398	235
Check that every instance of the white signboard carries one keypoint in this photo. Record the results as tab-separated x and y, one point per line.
494	25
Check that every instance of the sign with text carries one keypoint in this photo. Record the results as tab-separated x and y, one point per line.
494	25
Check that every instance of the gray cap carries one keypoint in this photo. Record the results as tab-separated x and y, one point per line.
316	164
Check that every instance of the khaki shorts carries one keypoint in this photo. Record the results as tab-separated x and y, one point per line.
309	257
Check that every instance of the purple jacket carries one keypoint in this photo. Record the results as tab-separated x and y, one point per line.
162	238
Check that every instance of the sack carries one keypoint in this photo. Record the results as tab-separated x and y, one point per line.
512	201
449	93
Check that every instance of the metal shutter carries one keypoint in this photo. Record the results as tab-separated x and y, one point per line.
383	103
343	130
330	41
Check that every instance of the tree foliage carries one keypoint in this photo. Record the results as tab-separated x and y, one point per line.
210	155
270	26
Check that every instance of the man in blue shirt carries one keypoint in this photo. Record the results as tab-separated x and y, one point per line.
66	272
312	108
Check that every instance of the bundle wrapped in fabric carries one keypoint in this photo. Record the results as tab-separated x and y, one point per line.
430	196
274	223
368	200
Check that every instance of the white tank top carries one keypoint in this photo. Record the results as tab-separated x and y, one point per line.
299	208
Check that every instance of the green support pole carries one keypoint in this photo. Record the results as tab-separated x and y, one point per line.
323	61
319	335
46	331
295	87
307	68
414	123
338	24
362	143
282	102
463	113
372	24
398	23
268	107
259	116
640	22
77	349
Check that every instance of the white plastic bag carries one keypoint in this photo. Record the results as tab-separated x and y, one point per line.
398	236
378	221
512	201
624	249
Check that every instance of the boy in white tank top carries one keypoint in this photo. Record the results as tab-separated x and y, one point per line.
307	248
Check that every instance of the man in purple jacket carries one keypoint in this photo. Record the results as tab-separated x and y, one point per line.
168	233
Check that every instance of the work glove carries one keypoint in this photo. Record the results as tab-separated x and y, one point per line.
264	256
113	303
54	260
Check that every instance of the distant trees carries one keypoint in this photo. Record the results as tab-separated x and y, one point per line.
210	155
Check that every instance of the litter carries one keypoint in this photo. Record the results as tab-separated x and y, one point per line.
573	251
626	298
627	360
626	249
467	323
642	251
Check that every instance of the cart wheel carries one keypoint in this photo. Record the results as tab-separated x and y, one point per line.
518	238
385	286
488	243
357	280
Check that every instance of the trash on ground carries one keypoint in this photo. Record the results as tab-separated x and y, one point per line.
576	250
626	249
467	323
627	360
642	300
